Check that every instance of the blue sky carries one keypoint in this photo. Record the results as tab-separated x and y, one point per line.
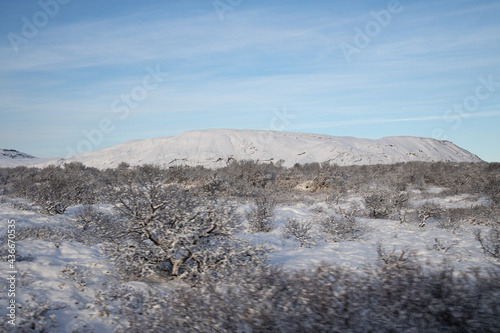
83	75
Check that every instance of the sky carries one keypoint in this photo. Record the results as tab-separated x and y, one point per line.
78	75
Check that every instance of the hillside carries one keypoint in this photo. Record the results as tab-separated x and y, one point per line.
217	147
13	154
11	158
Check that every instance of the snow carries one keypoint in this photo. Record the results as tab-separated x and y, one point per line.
390	234
43	275
11	158
217	147
14	154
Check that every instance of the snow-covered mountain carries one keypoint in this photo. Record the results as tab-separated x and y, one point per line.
217	147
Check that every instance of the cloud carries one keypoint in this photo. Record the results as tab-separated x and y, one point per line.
357	122
138	38
263	56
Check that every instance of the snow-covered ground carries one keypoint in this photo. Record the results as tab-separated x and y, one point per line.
44	273
68	274
428	243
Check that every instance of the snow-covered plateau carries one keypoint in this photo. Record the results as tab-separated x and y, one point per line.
217	147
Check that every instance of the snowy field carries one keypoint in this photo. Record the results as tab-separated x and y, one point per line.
57	281
410	247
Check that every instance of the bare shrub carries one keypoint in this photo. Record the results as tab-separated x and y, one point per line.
391	258
454	218
57	188
443	246
340	227
492	189
123	300
450	224
165	232
377	204
401	204
45	232
95	226
428	210
260	216
300	230
396	296
490	243
79	274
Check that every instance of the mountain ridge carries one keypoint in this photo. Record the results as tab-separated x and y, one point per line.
214	148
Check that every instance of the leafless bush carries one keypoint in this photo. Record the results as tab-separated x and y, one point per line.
79	274
428	210
490	243
300	230
443	246
340	228
95	226
492	189
168	233
379	204
450	224
260	216
57	188
45	232
396	296
392	258
401	203
124	300
454	218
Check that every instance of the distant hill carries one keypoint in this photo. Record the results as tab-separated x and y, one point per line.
217	147
14	154
12	158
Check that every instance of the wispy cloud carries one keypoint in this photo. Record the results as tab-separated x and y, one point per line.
356	122
262	56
